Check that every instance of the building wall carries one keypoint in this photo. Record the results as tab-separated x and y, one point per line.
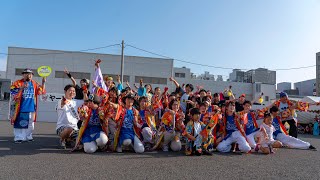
80	63
84	63
318	73
283	86
2	74
305	87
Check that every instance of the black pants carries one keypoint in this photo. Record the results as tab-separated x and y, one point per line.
293	131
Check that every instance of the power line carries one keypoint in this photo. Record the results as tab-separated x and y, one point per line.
65	52
217	67
167	57
160	55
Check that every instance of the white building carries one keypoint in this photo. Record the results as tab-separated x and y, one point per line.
81	65
306	88
252	90
2	74
283	86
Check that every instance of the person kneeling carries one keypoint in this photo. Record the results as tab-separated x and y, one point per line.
68	117
128	127
192	132
93	130
266	137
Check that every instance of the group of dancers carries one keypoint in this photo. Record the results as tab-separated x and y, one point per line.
112	117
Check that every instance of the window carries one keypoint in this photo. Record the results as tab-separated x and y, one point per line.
180	75
19	72
76	75
114	76
266	98
258	88
151	80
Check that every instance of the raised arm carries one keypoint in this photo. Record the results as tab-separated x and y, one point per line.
174	81
70	76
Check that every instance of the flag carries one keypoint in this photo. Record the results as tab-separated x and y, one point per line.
98	79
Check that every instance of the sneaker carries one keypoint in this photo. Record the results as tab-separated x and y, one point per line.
18	141
119	149
165	148
312	148
62	145
30	140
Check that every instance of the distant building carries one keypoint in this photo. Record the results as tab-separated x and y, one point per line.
236	76
207	76
262	75
283	86
219	78
306	88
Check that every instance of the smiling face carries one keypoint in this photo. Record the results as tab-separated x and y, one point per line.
231	108
268	120
284	99
175	106
247	107
148	88
196	117
143	103
129	102
70	93
83	83
27	76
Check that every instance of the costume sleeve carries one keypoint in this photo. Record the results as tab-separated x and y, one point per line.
119	87
14	90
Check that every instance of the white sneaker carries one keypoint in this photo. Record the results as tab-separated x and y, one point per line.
165	148
119	149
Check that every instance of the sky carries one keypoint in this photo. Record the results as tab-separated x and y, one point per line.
246	34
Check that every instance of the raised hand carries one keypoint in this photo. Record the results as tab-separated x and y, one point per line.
66	71
63	101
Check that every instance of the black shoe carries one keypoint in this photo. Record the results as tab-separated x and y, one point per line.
18	142
312	148
206	152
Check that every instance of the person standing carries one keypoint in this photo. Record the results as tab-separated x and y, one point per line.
25	93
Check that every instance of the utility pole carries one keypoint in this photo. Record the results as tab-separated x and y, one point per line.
122	60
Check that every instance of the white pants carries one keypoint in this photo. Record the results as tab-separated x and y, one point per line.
170	137
25	134
292	142
147	134
92	146
251	140
137	144
236	137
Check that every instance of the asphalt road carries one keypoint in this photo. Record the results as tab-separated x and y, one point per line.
42	160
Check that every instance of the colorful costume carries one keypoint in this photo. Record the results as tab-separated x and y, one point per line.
172	126
148	125
234	134
23	108
110	111
127	132
94	129
281	135
194	129
207	134
251	128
